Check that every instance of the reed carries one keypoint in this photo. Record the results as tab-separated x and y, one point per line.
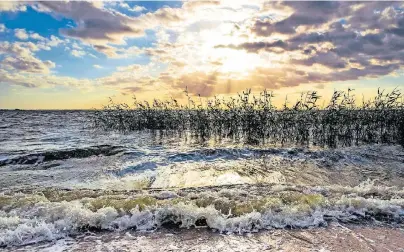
253	119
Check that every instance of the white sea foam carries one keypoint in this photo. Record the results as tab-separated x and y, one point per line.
46	221
42	220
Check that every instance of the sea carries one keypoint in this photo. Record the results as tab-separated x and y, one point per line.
68	186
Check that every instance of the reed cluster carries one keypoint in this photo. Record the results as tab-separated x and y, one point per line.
253	119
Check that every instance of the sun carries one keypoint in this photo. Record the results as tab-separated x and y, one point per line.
236	61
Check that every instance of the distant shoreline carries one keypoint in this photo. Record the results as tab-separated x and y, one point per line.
44	110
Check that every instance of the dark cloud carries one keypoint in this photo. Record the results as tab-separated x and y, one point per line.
93	22
370	71
317	13
257	46
353	39
101	26
305	13
399	29
328	59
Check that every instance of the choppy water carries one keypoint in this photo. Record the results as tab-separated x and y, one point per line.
59	178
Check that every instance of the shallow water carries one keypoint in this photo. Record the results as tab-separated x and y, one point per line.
337	237
61	179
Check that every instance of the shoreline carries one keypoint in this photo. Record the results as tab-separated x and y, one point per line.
336	237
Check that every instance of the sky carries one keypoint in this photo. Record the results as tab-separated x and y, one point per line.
77	54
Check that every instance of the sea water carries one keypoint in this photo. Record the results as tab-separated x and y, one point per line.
61	179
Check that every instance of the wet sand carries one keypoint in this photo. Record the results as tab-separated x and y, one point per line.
336	237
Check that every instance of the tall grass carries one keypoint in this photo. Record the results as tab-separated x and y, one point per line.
253	119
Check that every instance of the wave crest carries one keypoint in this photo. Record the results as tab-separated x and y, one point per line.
43	218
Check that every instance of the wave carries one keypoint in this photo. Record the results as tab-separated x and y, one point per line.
36	158
142	167
357	154
211	154
248	162
220	153
50	215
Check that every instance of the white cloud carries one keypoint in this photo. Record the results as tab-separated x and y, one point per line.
97	66
77	53
13	6
54	41
76	46
124	5
137	8
2	28
43	80
130	68
21	34
19	57
36	36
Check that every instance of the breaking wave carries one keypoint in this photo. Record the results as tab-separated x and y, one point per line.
50	214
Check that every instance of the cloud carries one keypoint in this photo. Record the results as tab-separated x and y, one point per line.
21	34
329	59
212	47
164	15
37	80
134	67
398	29
76	46
257	46
77	53
103	27
19	57
137	8
36	36
54	41
113	52
199	83
107	50
95	24
15	79
304	14
20	66
2	28
348	40
27	64
124	5
128	76
190	5
131	90
12	6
